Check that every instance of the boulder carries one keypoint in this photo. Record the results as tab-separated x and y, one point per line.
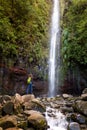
18	98
27	98
84	91
19	121
84	96
78	118
81	119
22	121
81	107
38	106
4	99
74	126
66	109
65	96
27	106
83	127
37	120
8	121
8	108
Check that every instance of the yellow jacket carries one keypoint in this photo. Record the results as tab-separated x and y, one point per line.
29	80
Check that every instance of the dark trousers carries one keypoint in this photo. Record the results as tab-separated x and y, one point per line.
29	88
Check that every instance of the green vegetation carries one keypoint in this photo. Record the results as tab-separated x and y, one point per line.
24	29
74	35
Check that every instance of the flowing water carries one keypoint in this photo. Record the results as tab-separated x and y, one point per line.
54	47
56	120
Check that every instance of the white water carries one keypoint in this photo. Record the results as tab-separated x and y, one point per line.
56	121
54	43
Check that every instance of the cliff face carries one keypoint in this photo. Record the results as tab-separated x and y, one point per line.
73	43
23	41
14	80
62	7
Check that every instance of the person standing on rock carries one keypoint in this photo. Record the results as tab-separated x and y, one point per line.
29	82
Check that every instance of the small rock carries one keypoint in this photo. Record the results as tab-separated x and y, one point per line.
66	109
84	91
65	96
84	96
74	126
83	127
81	119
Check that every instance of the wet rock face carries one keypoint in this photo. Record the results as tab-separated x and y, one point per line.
14	80
76	78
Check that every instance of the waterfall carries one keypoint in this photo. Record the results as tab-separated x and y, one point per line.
54	49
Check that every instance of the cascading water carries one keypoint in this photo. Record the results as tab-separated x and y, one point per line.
54	45
56	120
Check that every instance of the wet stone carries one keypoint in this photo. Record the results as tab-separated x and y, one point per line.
74	126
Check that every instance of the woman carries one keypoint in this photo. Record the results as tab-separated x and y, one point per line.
29	82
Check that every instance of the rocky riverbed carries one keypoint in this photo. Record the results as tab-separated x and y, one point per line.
29	113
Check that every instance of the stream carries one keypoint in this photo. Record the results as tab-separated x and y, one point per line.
55	119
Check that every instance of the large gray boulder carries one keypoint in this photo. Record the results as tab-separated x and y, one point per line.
37	120
81	107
